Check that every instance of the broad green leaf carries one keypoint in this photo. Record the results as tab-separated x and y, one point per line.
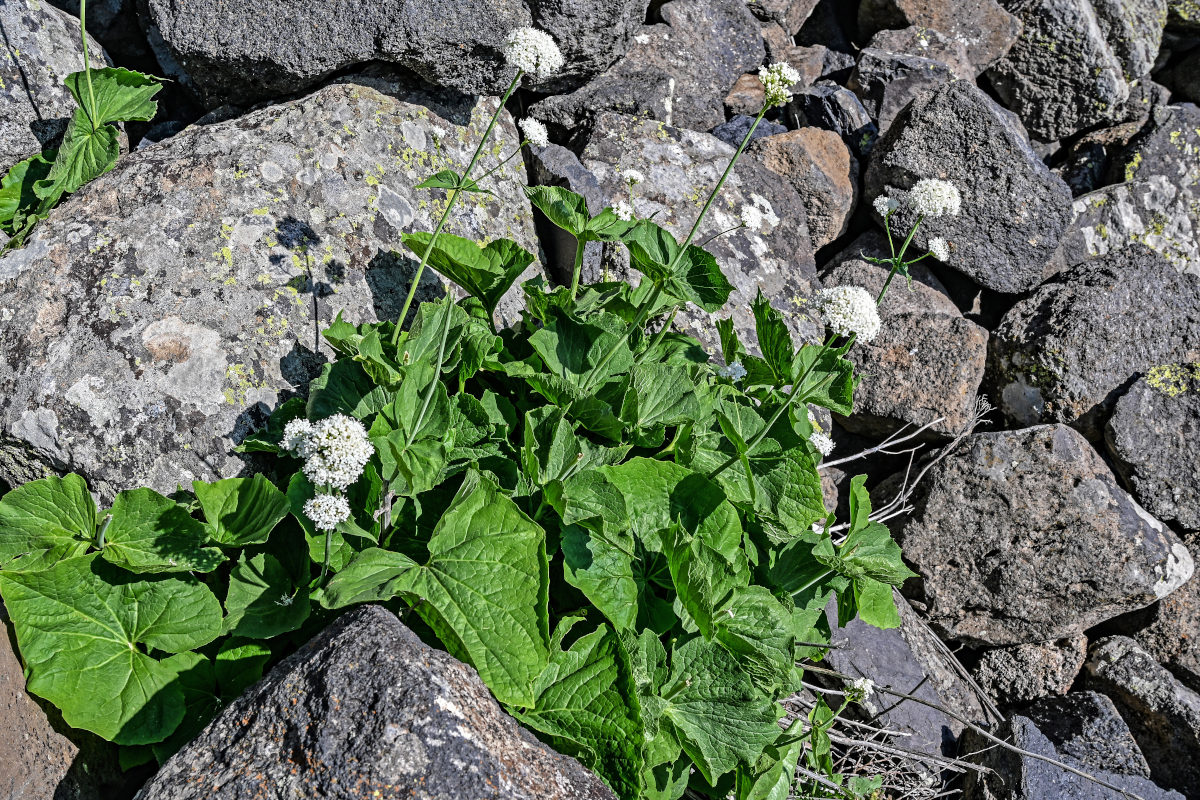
757	628
241	511
659	493
263	599
703	577
16	190
238	666
720	716
602	569
774	340
84	628
731	345
562	207
121	95
373	576
152	533
46	520
776	778
876	604
84	155
690	275
582	406
344	387
449	179
194	679
411	434
585	706
486	271
828	378
571	348
661	395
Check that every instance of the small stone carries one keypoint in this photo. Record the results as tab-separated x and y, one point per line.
927	43
887	82
821	169
1025	672
734	131
1085	727
835	108
746	97
984	27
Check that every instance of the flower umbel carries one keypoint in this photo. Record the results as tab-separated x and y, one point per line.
822	442
885	205
778	80
849	310
295	437
535	132
940	248
734	371
632	177
533	51
935	198
327	510
623	210
336	451
751	217
862	689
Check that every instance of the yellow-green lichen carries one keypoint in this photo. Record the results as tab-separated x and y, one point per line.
1174	379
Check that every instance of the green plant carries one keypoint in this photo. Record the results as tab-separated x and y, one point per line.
89	148
627	541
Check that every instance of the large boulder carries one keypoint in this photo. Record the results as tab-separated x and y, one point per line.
1014	210
926	43
984	27
367	710
1087	728
240	53
1065	352
821	169
1025	536
150	323
41	47
1169	630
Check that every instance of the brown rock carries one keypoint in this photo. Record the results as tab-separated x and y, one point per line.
983	26
788	14
777	42
820	167
1029	671
746	96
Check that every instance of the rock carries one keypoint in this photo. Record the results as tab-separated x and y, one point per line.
788	14
1025	536
1184	15
887	82
149	323
829	25
1170	629
1134	30
363	710
835	108
1014	210
681	167
746	97
1019	777
1151	437
817	62
777	42
114	23
1084	165
927	43
927	361
42	47
1064	353
1086	728
1025	672
1163	714
911	660
985	28
820	168
677	72
734	131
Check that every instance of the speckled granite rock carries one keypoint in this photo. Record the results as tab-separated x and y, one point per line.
1025	672
366	710
156	316
1064	353
1025	536
984	27
41	47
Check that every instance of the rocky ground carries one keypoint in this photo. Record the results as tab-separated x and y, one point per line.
157	316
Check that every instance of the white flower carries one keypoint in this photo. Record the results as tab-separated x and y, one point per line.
734	371
777	81
940	248
632	176
752	217
822	442
295	436
327	510
935	198
885	205
533	51
863	688
623	210
535	132
338	449
849	310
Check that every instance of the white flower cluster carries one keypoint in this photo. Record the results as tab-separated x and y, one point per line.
623	210
885	205
533	51
822	442
940	248
632	176
335	450
535	132
862	688
734	371
935	198
849	310
327	510
778	80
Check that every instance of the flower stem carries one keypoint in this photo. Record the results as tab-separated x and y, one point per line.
577	268
87	64
898	258
637	324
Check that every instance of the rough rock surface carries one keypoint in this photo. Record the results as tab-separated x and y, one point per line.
1026	672
734	131
677	72
927	43
1025	536
241	53
1170	629
788	14
1064	353
681	167
1184	14
927	361
41	47
1014	210
821	169
836	108
1134	30
1152	438
886	82
156	316
367	710
984	27
1163	714
1086	727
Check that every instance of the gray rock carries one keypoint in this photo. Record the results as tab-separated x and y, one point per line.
1163	714
746	97
1085	164
1184	15
1134	30
1019	777
886	82
821	169
927	43
681	167
151	320
677	72
1014	210
1025	672
1025	536
984	27
788	14
114	23
1064	353
238	53
1168	629
817	62
734	131
835	108
364	710
1152	437
41	47
1086	728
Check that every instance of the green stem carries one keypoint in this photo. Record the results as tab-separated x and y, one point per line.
328	548
87	63
102	531
898	259
577	268
638	322
496	168
662	334
451	199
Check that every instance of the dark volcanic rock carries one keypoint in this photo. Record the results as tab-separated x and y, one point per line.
886	82
1025	536
835	108
734	131
1014	210
1170	629
367	710
1086	728
788	14
1026	672
927	43
1064	353
983	26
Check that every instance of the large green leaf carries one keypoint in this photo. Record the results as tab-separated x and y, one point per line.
758	628
564	208
85	628
774	340
659	395
585	706
601	566
571	348
45	521
486	271
828	378
241	511
688	275
703	577
17	194
121	95
263	599
152	533
85	154
659	493
774	777
344	387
